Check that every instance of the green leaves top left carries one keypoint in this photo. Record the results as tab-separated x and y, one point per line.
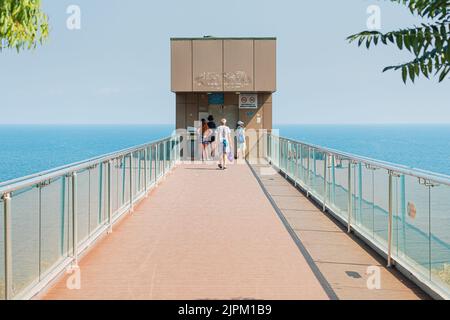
23	24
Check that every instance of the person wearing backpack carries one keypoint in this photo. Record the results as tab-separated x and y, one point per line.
240	139
212	125
223	135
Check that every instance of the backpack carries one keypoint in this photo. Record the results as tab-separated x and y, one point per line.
241	136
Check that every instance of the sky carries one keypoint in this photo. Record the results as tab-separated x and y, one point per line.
116	68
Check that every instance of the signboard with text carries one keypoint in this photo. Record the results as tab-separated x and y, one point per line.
248	101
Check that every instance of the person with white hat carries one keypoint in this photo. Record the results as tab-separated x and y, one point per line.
240	139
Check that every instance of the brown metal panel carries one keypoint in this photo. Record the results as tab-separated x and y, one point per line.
203	102
238	65
180	98
265	66
267	109
192	98
207	65
191	114
231	99
181	62
181	116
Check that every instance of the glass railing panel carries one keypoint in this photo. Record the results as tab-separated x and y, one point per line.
25	213
54	224
277	150
339	186
104	193
135	172
69	204
356	189
413	223
397	222
140	166
440	235
83	184
303	169
142	170
164	155
309	167
167	152
116	184
381	206
148	160
283	155
364	208
317	174
126	163
153	164
294	164
289	158
95	197
158	160
2	250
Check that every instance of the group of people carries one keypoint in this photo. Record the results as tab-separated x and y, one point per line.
217	141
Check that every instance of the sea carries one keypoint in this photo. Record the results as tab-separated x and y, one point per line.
28	149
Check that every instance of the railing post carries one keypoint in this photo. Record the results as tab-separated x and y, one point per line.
109	198
157	160
325	184
164	151
131	183
280	153
307	172
389	256
296	165
349	222
179	149
7	242
74	219
145	171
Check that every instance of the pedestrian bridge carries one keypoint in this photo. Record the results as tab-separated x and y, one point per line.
143	224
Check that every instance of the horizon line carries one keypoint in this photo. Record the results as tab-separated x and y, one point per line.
173	124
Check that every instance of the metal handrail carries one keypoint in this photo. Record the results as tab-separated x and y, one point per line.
419	173
109	216
27	181
282	159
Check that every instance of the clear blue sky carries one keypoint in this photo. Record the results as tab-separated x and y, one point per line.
116	69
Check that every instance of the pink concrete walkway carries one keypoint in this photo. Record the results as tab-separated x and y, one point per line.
202	234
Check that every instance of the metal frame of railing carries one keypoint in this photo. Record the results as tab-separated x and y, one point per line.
278	154
147	165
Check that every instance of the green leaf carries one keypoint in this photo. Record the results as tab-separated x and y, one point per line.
404	74
399	41
412	72
444	73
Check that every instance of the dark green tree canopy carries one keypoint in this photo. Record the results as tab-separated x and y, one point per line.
429	42
22	24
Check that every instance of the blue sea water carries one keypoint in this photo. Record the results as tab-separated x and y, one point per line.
425	147
27	149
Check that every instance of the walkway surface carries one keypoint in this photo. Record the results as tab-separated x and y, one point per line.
341	259
201	234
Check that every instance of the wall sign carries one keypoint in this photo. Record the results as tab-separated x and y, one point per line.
216	98
248	101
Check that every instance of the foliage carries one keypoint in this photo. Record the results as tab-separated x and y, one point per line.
429	42
23	24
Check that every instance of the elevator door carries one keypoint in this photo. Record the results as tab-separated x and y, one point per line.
229	112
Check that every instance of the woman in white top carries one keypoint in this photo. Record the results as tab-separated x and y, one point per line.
223	134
